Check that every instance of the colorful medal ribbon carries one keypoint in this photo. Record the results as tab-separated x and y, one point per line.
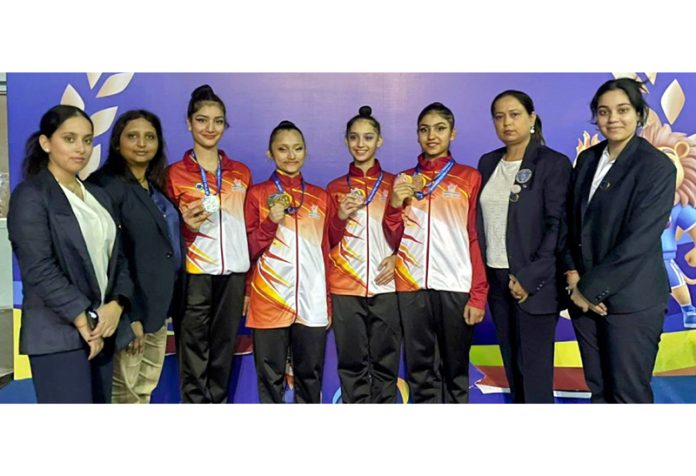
279	186
373	192
204	177
431	186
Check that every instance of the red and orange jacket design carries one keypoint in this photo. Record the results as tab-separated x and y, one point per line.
219	247
358	244
288	280
436	236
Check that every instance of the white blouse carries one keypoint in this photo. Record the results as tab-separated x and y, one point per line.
98	230
495	200
605	164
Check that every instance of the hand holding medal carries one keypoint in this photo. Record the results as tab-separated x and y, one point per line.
194	214
350	203
403	189
278	203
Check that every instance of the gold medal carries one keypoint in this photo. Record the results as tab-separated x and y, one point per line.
404	178
358	193
283	198
419	182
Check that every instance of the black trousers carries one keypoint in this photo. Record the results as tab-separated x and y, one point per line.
368	342
437	341
618	353
526	342
68	377
207	333
306	345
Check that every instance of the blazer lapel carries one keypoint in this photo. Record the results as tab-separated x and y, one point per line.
528	168
70	227
614	175
144	197
489	166
583	191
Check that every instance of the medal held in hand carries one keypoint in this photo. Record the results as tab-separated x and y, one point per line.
358	193
419	182
283	198
211	203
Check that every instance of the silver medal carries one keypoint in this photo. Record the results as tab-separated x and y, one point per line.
211	203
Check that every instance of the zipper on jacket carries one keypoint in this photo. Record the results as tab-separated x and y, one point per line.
222	247
427	245
297	265
367	242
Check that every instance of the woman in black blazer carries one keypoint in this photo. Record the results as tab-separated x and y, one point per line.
133	176
522	203
75	280
620	199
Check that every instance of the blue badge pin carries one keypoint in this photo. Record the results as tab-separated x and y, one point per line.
523	176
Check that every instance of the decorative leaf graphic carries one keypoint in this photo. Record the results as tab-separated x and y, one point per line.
103	119
92	163
115	84
93	78
673	101
625	75
652	77
72	98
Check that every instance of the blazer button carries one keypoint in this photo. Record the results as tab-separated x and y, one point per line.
169	254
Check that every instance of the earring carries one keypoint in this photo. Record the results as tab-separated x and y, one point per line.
532	130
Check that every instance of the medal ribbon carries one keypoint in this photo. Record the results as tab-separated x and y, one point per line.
373	192
291	210
430	187
204	177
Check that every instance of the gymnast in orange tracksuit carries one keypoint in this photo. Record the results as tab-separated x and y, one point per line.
361	271
288	309
440	277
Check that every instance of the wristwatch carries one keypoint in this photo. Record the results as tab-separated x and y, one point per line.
92	316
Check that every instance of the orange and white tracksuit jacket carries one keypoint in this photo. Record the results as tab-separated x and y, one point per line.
358	244
288	280
436	236
220	245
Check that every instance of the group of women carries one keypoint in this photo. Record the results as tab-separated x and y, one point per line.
384	259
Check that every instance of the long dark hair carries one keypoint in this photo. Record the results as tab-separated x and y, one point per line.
528	106
439	109
633	90
284	126
365	114
35	158
201	95
115	163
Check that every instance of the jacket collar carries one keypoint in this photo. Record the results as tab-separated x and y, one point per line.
373	171
286	181
192	165
433	165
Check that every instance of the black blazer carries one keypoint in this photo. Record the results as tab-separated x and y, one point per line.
533	224
148	249
614	241
57	274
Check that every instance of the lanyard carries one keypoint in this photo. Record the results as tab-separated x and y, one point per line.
373	192
280	188
204	176
430	187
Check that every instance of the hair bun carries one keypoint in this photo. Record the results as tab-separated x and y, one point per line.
284	124
202	92
365	111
